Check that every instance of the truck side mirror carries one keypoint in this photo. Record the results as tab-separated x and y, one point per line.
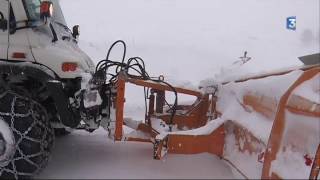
76	31
3	22
46	10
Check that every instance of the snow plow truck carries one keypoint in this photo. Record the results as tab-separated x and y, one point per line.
263	126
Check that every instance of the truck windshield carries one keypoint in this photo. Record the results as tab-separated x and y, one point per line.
33	11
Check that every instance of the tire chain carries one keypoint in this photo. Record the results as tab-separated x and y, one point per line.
38	120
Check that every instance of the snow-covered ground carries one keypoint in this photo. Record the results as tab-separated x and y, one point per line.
187	41
94	156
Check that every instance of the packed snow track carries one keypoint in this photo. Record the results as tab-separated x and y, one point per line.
83	156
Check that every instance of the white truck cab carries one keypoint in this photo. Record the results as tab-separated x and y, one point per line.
42	70
4	35
29	38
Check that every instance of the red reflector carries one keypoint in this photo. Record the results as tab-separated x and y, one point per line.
18	55
69	67
46	9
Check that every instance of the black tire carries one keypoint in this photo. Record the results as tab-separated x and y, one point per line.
60	132
33	136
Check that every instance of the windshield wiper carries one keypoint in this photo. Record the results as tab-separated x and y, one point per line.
64	26
69	38
55	37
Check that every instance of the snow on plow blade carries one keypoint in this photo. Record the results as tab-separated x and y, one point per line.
266	126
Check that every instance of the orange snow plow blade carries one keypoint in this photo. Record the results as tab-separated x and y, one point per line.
266	126
193	116
192	144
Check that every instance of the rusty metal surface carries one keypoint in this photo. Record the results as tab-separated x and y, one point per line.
192	144
316	165
278	128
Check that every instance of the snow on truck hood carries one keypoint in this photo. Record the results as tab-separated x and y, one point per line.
81	57
54	55
59	18
77	55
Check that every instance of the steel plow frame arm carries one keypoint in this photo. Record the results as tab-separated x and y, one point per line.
196	116
278	128
156	86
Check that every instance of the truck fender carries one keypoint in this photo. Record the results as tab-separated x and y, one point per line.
54	86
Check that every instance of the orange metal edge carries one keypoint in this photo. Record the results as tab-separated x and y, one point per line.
138	140
248	139
148	130
302	106
267	106
119	108
279	124
303	68
163	87
261	104
195	118
316	165
194	144
122	79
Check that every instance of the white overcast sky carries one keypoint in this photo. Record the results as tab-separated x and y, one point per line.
192	39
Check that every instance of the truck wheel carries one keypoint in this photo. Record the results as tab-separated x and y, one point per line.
26	137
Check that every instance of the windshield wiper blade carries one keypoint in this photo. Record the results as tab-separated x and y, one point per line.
55	37
63	25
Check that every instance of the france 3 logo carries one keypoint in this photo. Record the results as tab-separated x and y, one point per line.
292	23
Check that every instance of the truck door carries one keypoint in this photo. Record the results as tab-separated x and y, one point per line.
19	46
4	4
